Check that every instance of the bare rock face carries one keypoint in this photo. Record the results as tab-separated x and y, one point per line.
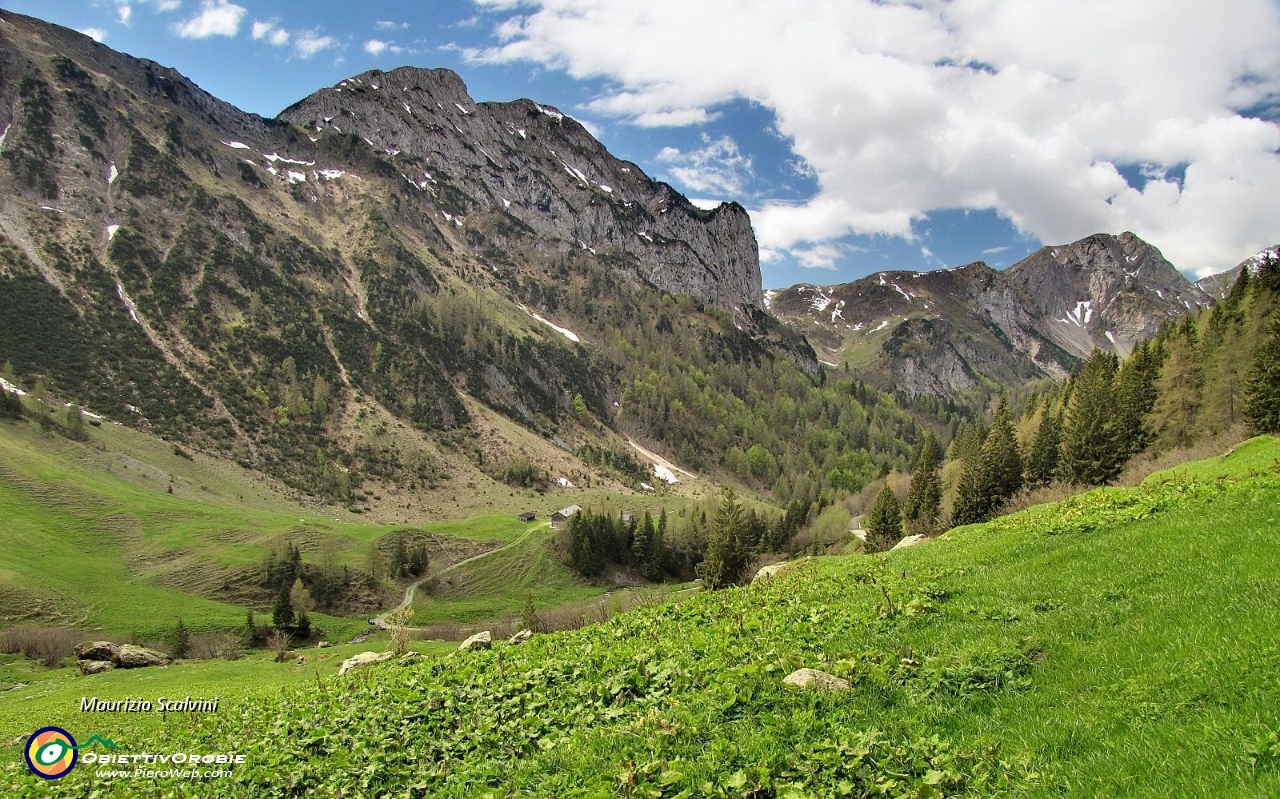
97	650
1104	291
129	656
543	171
363	659
482	640
910	541
812	678
88	667
948	331
769	571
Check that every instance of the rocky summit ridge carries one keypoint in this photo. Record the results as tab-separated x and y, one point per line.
973	327
542	168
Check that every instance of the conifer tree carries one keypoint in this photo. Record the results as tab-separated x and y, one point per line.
399	558
1001	462
250	633
1135	395
1262	387
884	523
529	619
727	555
282	614
1180	389
968	507
1091	453
179	641
655	560
640	542
1041	463
924	498
1268	277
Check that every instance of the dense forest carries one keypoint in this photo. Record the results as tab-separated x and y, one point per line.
1211	373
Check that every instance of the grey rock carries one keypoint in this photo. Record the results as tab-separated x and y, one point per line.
363	659
88	667
1218	285
769	571
129	656
910	541
520	638
948	331
531	163
97	650
812	678
482	640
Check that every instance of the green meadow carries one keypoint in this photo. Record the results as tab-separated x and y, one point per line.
1124	642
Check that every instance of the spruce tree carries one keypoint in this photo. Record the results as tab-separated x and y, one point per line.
1042	459
655	563
399	558
1001	462
969	506
884	523
529	619
1262	386
282	614
250	633
924	498
1091	451
727	555
640	542
179	641
1181	389
1135	395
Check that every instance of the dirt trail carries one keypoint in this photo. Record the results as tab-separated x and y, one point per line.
380	621
661	461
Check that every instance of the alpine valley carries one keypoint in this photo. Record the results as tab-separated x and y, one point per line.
303	369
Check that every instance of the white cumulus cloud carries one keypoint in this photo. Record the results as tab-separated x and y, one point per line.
1029	107
308	43
717	166
216	18
268	32
97	34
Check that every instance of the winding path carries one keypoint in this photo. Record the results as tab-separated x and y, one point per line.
380	621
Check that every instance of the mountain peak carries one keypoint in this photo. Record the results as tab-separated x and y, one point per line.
528	161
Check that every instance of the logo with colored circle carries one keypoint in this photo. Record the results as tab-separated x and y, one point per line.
51	753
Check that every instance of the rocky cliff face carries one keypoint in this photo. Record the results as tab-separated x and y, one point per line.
400	258
531	162
940	333
1103	291
1217	286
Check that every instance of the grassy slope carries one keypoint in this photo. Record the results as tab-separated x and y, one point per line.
35	697
498	585
90	537
1122	643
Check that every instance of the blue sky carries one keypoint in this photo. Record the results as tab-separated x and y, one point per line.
861	134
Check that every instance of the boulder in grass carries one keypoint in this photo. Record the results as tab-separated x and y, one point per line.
911	541
97	650
88	667
769	571
129	656
520	638
364	659
478	641
812	678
